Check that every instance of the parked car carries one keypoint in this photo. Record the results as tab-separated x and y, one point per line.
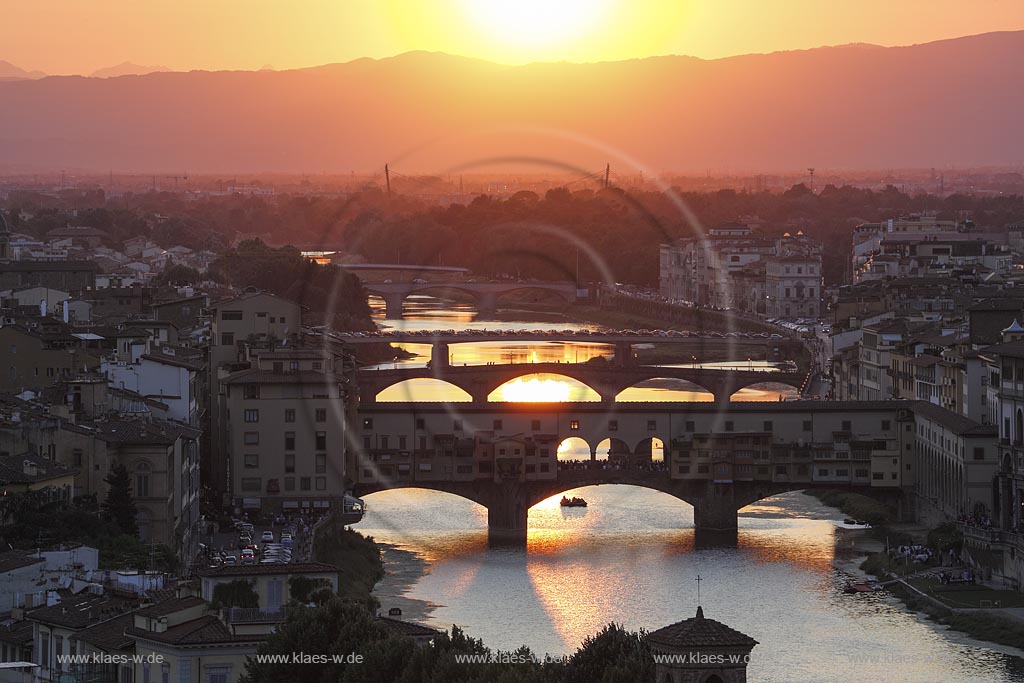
267	537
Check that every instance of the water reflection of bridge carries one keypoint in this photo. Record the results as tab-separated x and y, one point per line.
718	459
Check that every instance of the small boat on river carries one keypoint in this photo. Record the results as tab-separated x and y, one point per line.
573	502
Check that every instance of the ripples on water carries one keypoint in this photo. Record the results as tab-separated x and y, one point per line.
630	557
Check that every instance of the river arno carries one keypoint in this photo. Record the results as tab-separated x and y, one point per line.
629	557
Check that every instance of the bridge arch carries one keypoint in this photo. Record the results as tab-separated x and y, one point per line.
610	447
440	290
431	488
542	387
769	390
574	448
651	449
665	389
418	389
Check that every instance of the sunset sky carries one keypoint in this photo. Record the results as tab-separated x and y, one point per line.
79	36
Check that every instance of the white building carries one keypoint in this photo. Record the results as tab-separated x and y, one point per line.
169	374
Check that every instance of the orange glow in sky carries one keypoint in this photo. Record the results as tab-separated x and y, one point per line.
535	23
73	36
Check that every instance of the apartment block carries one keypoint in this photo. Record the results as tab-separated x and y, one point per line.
284	428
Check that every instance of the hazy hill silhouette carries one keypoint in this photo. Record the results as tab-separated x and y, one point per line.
953	101
126	69
10	71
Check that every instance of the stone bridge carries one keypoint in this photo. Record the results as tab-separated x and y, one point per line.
485	294
607	379
718	458
715	504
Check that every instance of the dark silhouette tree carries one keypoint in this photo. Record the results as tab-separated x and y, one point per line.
238	593
118	506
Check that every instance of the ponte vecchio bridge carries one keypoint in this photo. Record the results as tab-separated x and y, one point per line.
504	456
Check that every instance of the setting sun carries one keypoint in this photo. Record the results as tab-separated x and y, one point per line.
543	387
534	390
535	22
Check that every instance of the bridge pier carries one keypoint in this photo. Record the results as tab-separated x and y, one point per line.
715	518
439	355
624	354
507	511
487	304
393	305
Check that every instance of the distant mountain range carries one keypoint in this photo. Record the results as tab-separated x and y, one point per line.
856	106
127	69
9	71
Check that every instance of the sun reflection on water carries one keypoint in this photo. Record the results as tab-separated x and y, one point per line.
543	388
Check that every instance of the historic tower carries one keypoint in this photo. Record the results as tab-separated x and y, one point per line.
700	650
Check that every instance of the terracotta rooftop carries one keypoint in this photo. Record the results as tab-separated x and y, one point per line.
136	431
15	632
700	632
12	469
1014	349
201	631
165	607
954	422
108	635
83	610
14	559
